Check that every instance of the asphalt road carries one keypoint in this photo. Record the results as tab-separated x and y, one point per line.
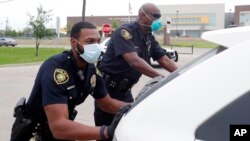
16	81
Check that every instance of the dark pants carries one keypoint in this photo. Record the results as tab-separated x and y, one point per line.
104	118
42	134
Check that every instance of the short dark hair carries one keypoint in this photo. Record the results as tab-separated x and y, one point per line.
75	30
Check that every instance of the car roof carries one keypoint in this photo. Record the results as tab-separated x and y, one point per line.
228	37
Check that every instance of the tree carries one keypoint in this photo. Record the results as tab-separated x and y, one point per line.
27	31
10	33
68	28
114	24
50	33
38	25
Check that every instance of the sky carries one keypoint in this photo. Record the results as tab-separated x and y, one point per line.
15	11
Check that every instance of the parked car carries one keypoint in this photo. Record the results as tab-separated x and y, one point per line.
7	42
208	99
172	54
103	46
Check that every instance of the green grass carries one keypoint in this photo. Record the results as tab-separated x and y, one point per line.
14	55
196	44
184	42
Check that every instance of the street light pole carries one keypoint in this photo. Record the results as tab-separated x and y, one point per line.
177	20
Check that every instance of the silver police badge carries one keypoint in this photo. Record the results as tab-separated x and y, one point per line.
60	76
93	81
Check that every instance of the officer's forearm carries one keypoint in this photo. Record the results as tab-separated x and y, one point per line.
167	64
70	130
143	67
110	105
64	129
117	105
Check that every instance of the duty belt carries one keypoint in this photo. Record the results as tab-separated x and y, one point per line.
117	83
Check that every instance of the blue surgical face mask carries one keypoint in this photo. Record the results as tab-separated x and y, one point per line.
156	25
91	53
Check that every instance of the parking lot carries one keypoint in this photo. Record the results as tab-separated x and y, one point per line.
16	81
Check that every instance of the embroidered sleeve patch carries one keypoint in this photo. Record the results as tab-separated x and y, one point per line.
60	76
125	34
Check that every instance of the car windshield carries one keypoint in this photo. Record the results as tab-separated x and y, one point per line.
179	72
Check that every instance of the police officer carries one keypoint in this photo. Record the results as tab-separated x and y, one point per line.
63	82
128	57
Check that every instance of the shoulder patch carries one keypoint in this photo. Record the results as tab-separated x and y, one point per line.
125	34
61	76
98	72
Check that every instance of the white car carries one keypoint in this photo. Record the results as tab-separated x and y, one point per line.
7	42
206	100
172	54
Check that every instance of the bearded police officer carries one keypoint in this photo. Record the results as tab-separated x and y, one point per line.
63	82
128	57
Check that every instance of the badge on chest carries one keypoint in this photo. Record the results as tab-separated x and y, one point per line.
93	81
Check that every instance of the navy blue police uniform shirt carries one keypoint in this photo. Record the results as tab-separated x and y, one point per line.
59	81
129	38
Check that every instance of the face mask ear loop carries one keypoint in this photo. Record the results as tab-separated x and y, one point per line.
146	14
77	47
78	51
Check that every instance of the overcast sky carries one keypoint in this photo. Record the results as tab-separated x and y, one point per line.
16	10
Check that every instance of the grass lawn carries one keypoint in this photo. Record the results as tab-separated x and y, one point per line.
195	43
20	55
14	55
184	42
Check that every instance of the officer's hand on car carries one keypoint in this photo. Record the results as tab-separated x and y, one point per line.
149	84
111	128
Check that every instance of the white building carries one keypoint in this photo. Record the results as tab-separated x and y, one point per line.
192	20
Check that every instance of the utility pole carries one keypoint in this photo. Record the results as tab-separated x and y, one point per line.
6	26
83	10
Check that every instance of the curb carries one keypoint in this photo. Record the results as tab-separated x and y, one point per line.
16	65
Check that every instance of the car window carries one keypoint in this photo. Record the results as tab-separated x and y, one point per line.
217	127
178	72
